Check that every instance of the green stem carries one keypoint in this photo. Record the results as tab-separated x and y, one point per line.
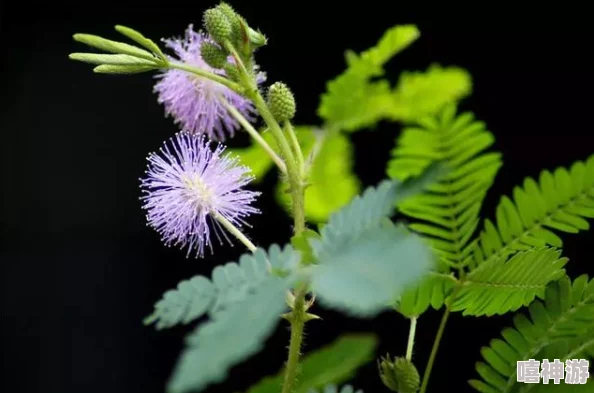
427	373
296	147
234	231
208	75
293	173
411	338
255	134
297	319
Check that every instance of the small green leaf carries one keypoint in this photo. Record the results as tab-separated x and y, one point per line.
113	46
301	243
123	69
351	100
142	40
334	363
100	58
419	94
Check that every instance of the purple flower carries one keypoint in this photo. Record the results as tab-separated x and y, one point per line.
186	184
194	101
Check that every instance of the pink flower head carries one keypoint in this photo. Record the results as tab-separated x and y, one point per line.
187	184
196	102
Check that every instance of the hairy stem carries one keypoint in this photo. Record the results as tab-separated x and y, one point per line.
296	147
234	231
254	134
411	338
427	373
293	173
208	75
297	319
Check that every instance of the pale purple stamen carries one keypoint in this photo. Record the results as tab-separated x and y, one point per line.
186	184
195	102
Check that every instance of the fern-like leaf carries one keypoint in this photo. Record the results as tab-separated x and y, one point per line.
230	337
230	283
332	364
190	300
367	274
564	320
560	201
365	261
449	214
506	286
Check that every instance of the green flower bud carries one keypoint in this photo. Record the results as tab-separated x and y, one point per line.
407	376
213	55
232	72
233	19
217	24
257	38
281	102
399	376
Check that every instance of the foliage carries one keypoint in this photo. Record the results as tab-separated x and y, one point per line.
360	261
561	327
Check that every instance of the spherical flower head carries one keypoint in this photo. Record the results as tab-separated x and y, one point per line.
196	102
187	185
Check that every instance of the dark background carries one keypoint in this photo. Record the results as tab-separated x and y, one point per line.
80	270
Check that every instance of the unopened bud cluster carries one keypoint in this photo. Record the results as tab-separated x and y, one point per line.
281	102
217	25
213	55
399	375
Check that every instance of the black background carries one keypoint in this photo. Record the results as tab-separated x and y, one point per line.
80	269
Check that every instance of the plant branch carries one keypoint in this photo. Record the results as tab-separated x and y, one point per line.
296	147
427	373
297	320
208	75
411	338
256	135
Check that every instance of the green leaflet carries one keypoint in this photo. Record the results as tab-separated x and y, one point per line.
559	201
229	337
100	58
419	94
334	363
353	101
560	326
231	283
448	213
332	181
125	58
501	286
431	291
142	40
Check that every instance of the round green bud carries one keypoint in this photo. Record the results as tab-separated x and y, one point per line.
213	55
232	72
399	375
281	102
217	24
407	376
233	19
